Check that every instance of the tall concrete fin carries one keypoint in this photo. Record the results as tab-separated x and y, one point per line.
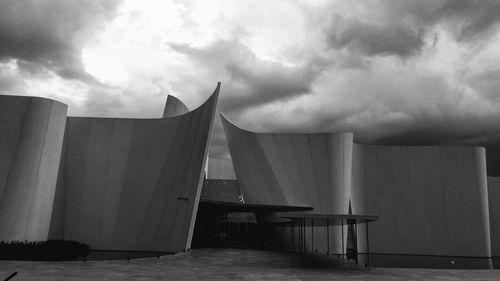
134	184
174	107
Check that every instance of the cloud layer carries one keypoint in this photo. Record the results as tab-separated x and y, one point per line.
394	71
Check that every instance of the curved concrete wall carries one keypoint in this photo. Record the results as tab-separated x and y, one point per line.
133	184
494	199
297	170
431	201
174	107
31	138
292	169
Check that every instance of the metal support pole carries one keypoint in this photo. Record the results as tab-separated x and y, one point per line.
258	227
302	235
304	246
238	231
299	235
292	241
283	235
312	235
367	245
327	237
218	230
343	250
355	226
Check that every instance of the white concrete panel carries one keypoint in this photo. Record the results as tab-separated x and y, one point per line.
494	212
320	166
76	162
264	169
31	134
474	200
405	214
43	200
431	202
417	189
135	192
448	205
287	152
118	158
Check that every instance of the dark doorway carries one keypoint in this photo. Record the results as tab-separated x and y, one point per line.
230	224
218	228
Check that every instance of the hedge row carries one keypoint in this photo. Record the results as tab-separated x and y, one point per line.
50	250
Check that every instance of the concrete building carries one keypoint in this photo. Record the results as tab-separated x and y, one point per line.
112	183
121	184
432	201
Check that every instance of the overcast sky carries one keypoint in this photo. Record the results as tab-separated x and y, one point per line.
398	71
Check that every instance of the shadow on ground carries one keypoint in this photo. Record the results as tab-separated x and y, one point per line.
223	264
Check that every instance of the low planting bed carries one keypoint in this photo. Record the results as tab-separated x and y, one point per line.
50	250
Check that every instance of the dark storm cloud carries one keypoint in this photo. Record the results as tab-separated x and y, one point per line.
487	82
267	84
51	33
372	40
252	81
247	81
483	132
405	23
468	19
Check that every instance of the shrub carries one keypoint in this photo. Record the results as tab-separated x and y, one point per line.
50	250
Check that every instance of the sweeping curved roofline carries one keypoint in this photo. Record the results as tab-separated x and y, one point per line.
174	107
214	95
226	120
36	98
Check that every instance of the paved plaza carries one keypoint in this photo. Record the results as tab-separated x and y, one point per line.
222	264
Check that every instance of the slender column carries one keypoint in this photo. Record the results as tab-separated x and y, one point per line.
299	222
238	232
342	230
218	230
292	241
283	235
327	236
312	235
300	235
304	235
367	245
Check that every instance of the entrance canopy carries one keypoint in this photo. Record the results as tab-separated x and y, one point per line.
241	207
331	219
